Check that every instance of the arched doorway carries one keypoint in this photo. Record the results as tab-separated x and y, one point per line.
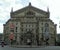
27	38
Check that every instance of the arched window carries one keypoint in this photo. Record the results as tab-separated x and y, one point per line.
46	25
46	30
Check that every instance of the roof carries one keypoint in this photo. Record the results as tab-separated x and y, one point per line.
29	7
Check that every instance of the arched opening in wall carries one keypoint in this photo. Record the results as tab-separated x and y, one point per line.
46	33
27	38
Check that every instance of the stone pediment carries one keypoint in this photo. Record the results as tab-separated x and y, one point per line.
29	9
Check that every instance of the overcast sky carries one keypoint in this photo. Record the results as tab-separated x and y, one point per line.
6	5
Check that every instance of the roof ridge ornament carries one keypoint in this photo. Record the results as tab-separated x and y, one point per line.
12	9
29	3
47	9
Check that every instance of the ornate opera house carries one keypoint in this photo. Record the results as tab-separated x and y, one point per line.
30	26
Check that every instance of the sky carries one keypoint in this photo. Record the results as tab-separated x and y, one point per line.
6	5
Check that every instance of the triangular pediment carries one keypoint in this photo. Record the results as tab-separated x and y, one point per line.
29	10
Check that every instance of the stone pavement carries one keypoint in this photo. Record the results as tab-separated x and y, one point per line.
29	48
26	46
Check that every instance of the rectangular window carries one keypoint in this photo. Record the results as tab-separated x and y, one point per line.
16	23
26	25
12	30
16	29
21	29
42	29
41	23
29	25
29	29
21	25
32	25
26	29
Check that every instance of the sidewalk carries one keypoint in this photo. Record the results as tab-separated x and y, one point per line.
26	46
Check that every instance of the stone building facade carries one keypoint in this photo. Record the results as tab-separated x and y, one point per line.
30	26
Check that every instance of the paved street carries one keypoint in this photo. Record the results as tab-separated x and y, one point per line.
42	48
